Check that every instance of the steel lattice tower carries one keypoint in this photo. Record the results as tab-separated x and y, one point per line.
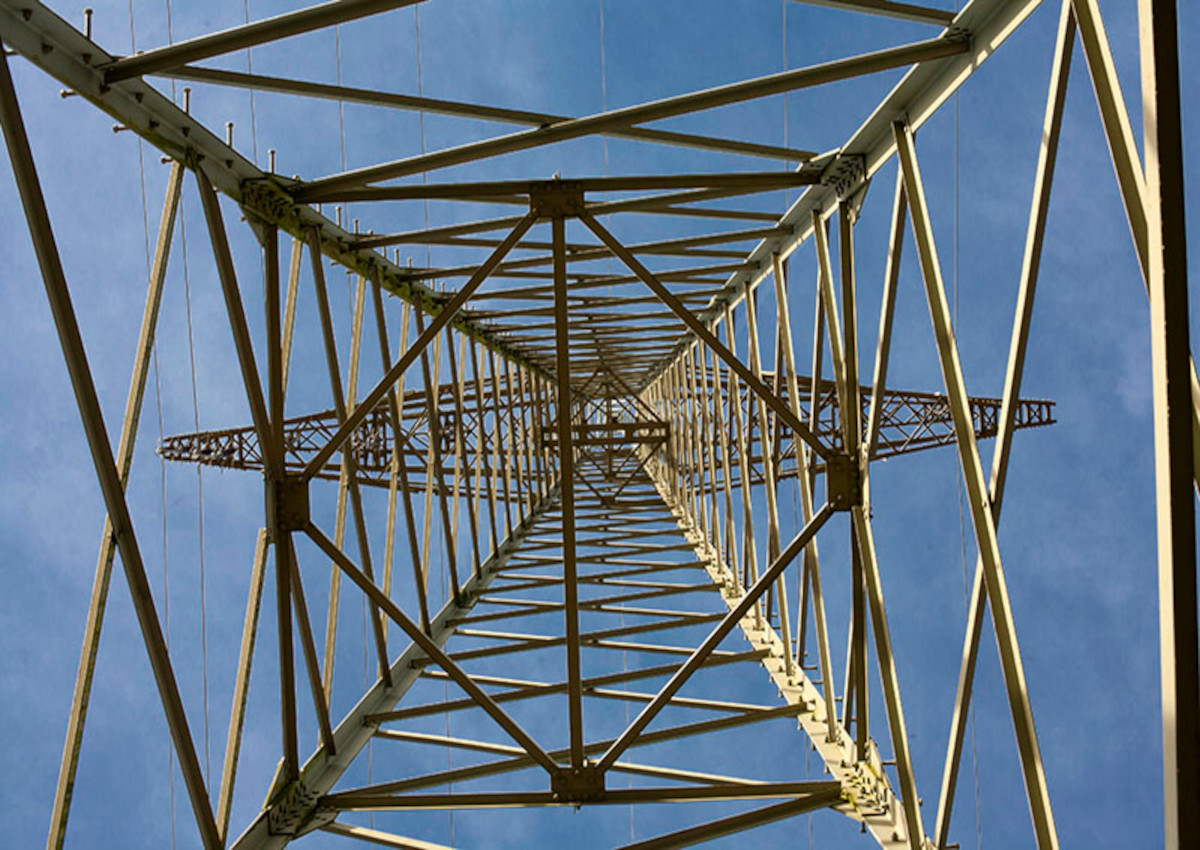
577	448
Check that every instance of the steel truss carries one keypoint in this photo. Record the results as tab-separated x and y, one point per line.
610	450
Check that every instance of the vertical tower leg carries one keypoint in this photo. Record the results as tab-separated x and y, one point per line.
1170	352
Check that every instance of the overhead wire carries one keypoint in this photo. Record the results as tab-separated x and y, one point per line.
191	337
199	468
161	460
253	111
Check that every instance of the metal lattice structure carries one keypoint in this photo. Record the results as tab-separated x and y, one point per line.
590	430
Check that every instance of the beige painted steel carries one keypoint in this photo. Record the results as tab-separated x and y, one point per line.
678	387
977	495
1174	416
1012	389
108	549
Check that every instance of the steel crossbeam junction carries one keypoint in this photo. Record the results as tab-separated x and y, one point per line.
578	445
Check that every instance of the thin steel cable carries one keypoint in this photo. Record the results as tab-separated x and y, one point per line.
187	290
787	165
253	111
604	147
162	464
199	480
161	460
421	118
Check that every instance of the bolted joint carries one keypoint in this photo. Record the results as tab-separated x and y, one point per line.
843	486
291	505
556	198
292	809
577	785
845	174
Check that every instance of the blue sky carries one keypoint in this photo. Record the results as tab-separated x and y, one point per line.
1078	526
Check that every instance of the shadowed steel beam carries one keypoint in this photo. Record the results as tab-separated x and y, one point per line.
322	770
864	540
401	467
108	547
272	462
358	801
522	761
727	624
1031	265
811	572
738	823
443	317
57	48
489	192
887	312
241	687
285	566
1167	280
919	95
432	650
697	327
645	203
340	404
566	455
311	665
981	512
248	35
889	9
380	839
841	69
1127	164
371	97
59	296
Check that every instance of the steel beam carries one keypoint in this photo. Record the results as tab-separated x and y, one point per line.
440	320
841	69
430	648
890	9
1170	349
1022	319
981	510
566	454
918	96
248	35
1130	172
727	624
741	822
323	769
688	317
108	546
394	100
59	296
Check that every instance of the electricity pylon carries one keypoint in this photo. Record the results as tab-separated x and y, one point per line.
596	445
